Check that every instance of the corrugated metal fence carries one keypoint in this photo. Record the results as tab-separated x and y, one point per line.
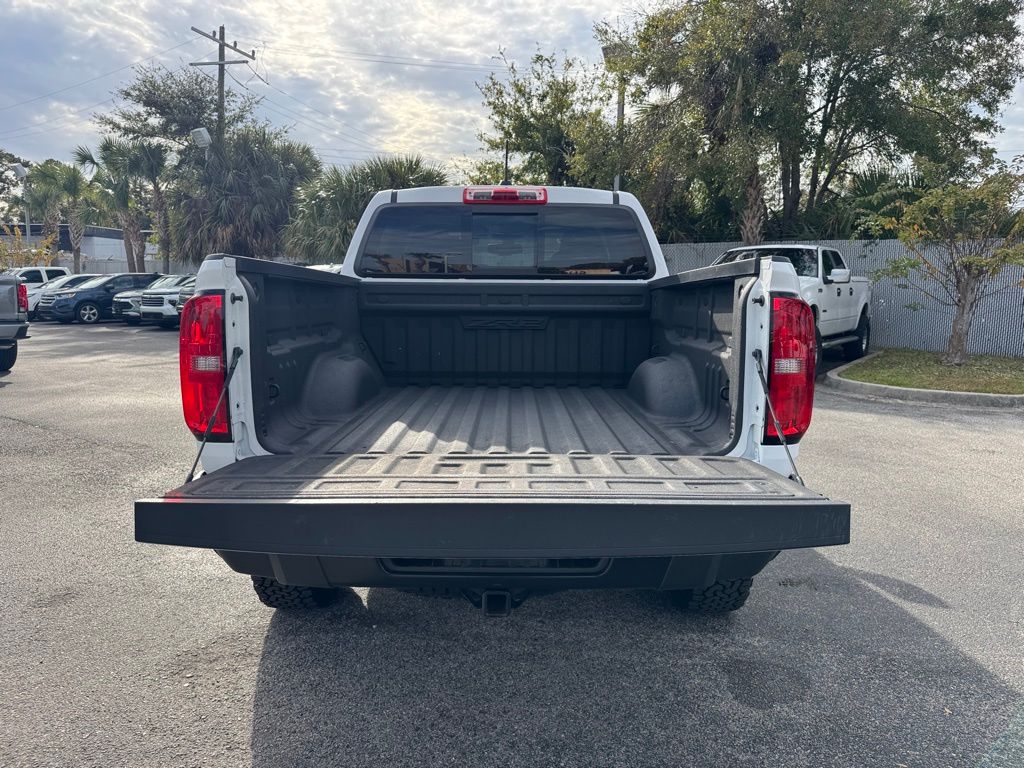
998	325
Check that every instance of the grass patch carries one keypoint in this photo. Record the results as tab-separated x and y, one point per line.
922	370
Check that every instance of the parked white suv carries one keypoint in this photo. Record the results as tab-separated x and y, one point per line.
33	277
160	303
841	302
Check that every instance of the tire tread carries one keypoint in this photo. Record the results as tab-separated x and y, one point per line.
720	597
274	594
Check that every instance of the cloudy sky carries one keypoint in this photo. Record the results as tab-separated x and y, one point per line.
351	78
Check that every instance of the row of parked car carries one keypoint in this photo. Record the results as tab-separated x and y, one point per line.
134	297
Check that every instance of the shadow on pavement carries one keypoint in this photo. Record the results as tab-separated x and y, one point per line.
820	669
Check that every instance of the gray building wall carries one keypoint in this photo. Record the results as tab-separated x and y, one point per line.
998	325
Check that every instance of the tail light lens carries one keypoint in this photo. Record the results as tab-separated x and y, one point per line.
791	368
22	297
202	363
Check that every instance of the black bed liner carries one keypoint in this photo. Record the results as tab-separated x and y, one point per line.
459	419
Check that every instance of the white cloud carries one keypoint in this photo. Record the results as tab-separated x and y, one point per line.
349	105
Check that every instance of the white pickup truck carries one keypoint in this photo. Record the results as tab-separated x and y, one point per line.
503	391
841	303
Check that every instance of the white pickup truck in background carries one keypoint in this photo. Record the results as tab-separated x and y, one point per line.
841	302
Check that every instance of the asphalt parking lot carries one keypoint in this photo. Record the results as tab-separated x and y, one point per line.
902	649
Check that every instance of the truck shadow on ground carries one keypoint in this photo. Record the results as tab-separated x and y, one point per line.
823	667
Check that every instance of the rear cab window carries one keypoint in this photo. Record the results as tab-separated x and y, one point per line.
553	241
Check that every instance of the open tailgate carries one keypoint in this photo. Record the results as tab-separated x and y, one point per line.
487	505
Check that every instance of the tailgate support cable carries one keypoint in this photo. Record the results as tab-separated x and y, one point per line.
236	355
758	358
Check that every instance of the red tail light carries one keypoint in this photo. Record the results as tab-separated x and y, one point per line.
515	195
202	362
22	297
791	367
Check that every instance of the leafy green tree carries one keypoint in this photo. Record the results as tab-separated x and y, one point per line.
45	198
71	193
959	237
540	113
328	207
164	106
815	89
119	186
10	200
239	200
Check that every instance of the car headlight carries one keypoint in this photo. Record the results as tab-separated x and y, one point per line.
66	296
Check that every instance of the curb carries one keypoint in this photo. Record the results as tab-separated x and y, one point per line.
835	381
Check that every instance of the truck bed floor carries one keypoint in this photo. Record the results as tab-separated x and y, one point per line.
497	420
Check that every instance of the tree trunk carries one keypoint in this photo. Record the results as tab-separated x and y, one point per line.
163	227
133	239
129	244
754	210
76	231
968	296
51	227
789	155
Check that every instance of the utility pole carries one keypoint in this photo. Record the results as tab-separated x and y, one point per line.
220	85
220	64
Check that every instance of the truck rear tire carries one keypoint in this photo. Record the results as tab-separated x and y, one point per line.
855	350
277	595
720	597
8	356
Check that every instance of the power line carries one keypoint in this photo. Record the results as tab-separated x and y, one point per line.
55	125
266	82
292	114
94	79
310	122
384	58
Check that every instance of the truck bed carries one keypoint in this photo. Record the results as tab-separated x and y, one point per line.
500	420
512	472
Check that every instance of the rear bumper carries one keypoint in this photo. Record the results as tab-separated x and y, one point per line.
417	519
666	573
10	332
433	528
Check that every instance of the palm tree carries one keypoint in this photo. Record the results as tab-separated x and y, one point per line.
151	163
329	207
44	196
71	191
118	185
240	200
